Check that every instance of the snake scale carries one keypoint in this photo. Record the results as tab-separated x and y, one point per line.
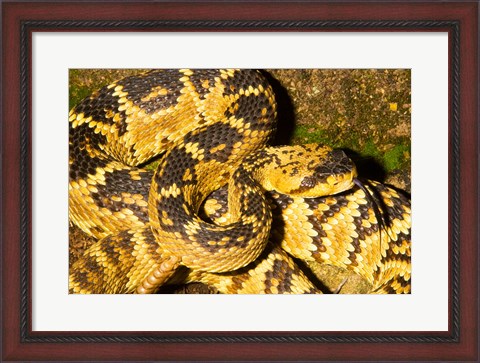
222	207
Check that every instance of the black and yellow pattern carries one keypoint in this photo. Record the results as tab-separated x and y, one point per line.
210	128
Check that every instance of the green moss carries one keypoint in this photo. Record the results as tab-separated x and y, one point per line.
77	94
371	150
305	134
397	157
77	91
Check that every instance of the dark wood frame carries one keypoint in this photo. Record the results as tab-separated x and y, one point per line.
20	19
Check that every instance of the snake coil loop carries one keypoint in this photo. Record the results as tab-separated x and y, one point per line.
210	129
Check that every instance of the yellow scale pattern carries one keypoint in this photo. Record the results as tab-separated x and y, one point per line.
210	128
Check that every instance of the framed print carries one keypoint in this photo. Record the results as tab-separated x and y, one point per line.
395	85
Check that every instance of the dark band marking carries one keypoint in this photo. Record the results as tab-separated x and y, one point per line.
99	105
202	78
282	272
242	80
140	87
120	182
81	164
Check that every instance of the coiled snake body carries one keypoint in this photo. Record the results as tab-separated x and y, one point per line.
221	208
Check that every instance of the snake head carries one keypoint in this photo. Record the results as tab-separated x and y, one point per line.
311	171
